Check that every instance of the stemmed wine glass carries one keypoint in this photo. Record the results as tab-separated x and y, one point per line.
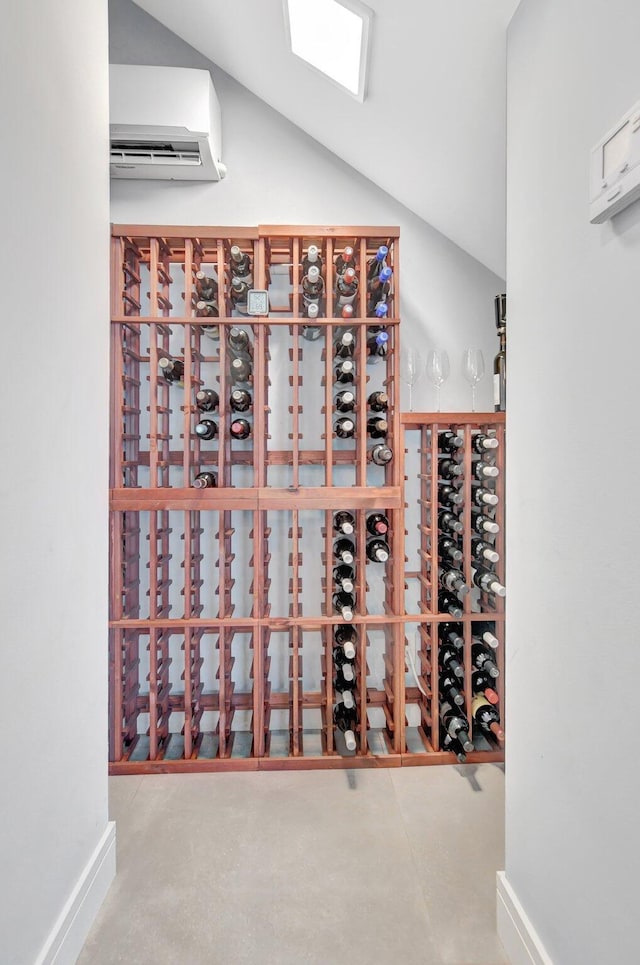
438	369
411	370
473	370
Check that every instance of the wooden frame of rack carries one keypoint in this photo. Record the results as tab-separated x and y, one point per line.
170	672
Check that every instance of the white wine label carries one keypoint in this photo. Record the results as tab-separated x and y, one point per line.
496	389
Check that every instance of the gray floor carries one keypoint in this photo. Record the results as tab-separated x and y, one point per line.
357	867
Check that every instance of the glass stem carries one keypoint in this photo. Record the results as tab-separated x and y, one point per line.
437	398
410	397
473	398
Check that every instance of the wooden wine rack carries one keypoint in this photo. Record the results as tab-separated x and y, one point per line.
221	629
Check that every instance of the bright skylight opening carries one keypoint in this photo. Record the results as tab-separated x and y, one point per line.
332	38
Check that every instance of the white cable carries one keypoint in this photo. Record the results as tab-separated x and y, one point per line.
409	656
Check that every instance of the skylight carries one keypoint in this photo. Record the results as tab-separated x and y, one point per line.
332	37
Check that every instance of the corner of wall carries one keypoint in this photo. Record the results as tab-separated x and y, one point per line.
520	939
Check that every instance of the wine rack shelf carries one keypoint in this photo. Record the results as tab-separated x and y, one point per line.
222	623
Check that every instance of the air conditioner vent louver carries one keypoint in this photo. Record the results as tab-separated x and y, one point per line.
149	153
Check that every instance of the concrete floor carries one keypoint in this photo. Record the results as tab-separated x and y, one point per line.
367	867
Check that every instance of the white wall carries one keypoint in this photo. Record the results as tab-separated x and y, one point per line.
53	486
574	341
277	174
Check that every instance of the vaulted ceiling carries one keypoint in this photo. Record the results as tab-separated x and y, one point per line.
431	131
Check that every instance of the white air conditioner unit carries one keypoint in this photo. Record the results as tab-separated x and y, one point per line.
165	124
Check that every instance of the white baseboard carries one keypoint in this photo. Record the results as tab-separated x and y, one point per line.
520	939
68	935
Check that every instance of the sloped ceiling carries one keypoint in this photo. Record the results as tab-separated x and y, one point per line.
431	131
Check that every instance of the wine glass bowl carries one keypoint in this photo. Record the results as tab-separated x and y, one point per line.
411	370
473	370
438	370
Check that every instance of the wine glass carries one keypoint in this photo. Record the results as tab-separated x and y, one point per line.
473	370
411	370
438	369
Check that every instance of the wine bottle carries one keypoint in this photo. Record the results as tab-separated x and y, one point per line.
377	263
208	310
206	287
456	725
377	428
345	637
482	470
447	603
447	495
240	370
345	428
500	361
344	550
240	429
241	265
344	679
484	497
488	581
450	441
347	698
483	524
346	720
344	577
211	331
453	746
239	341
377	347
345	371
449	689
312	287
380	454
381	311
379	290
448	658
481	443
207	429
449	468
344	346
344	663
240	400
171	369
481	658
345	401
346	289
483	551
344	260
481	684
378	401
238	294
448	549
448	522
487	718
344	603
451	633
205	480
312	257
207	400
311	332
377	524
378	550
344	522
347	312
453	580
485	634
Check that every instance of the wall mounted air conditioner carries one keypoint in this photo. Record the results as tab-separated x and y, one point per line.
165	124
